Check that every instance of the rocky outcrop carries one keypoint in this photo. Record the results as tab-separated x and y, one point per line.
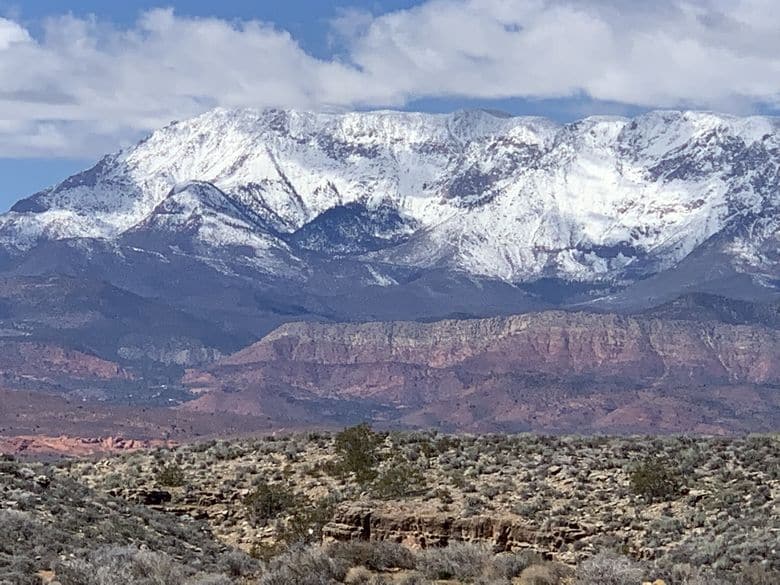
544	371
173	352
58	327
433	529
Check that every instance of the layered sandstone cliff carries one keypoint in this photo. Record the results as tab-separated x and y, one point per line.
553	370
554	342
416	529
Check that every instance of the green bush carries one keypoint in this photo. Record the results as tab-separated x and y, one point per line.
171	475
399	480
655	479
358	451
269	501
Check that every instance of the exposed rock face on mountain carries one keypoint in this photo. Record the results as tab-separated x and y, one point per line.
553	342
553	371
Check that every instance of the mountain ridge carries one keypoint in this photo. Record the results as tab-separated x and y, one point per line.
603	199
544	371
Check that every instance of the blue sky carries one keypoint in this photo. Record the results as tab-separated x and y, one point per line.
82	78
306	20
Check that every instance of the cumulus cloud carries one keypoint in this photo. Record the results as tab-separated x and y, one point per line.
84	86
707	53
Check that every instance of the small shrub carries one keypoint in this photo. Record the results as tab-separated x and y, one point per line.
237	564
459	560
266	552
399	480
171	475
18	571
414	579
511	565
444	495
358	576
268	501
689	575
655	479
757	575
377	556
609	569
121	566
210	580
547	574
358	451
304	566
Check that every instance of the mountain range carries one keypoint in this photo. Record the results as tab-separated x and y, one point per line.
128	281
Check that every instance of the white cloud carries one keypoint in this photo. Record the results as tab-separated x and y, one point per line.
707	53
11	33
84	86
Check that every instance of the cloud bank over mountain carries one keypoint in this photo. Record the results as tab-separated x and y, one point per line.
80	86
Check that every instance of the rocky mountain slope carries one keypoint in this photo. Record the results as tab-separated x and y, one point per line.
252	218
542	371
89	339
494	196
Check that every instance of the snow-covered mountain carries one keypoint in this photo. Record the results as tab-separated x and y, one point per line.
518	199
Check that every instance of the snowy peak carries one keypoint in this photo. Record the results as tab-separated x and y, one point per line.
515	198
199	219
190	207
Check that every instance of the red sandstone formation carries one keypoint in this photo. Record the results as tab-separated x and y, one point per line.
552	371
